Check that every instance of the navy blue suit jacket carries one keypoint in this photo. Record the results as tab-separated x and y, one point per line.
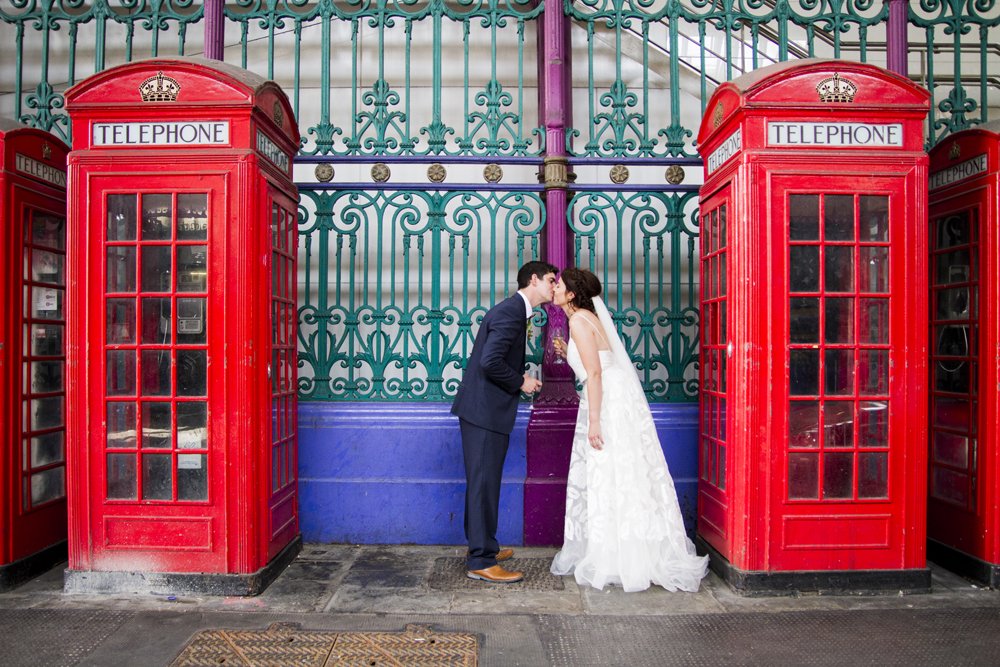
491	386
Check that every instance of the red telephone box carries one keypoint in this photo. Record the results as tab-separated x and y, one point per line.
963	521
182	313
813	290
32	352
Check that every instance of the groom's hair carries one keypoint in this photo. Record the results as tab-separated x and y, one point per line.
540	269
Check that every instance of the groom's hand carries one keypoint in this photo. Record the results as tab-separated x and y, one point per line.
530	385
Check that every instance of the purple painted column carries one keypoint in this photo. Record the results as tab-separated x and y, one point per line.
215	29
553	414
897	46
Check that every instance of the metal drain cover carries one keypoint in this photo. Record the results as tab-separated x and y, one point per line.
286	645
449	575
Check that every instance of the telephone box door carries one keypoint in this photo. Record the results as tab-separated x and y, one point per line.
841	470
955	502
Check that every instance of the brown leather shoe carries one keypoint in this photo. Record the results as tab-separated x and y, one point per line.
496	575
504	554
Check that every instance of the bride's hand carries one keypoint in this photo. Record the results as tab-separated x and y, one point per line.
559	346
594	437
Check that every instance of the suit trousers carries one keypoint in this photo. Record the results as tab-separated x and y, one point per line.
484	453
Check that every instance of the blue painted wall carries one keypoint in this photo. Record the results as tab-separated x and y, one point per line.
392	473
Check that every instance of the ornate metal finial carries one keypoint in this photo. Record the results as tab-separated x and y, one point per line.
159	88
835	89
436	172
46	151
277	113
674	174
717	115
619	174
380	172
492	173
324	172
955	151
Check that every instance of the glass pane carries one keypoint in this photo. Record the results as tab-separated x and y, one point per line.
46	412
803	424
121	425
952	376
839	269
157	214
48	485
156	425
192	477
953	303
952	267
803	320
950	449
874	269
722	227
722	468
192	217
723	420
839	326
873	475
192	425
156	321
873	321
156	372
156	269
121	373
46	376
121	476
48	448
121	217
839	372
953	230
49	230
121	269
838	475
873	424
838	424
874	225
838	218
192	268
46	339
803	475
120	321
803	372
873	372
950	486
803	217
191	321
191	372
47	303
951	413
157	479
47	267
722	321
803	271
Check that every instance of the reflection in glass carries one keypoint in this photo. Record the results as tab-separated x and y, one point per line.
874	372
874	225
950	449
192	268
838	218
157	478
121	477
951	413
803	423
46	376
953	303
803	475
121	269
121	425
156	269
192	425
46	412
874	269
48	231
839	372
838	475
46	340
803	319
120	321
953	230
950	486
156	425
121	373
121	217
192	477
838	424
873	424
953	267
873	475
191	372
48	485
157	214
192	217
722	228
873	325
156	372
47	267
839	268
47	448
839	326
803	372
156	320
803	217
803	273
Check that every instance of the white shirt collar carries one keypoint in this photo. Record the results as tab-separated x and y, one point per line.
527	305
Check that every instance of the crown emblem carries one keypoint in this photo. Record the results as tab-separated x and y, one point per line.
277	114
954	152
717	115
835	89
46	151
159	88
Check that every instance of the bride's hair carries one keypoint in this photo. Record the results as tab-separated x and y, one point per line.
584	285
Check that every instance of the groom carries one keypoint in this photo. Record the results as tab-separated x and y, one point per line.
486	405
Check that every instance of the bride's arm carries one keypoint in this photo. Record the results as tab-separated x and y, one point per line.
586	344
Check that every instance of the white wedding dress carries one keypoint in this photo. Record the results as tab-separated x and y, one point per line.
623	523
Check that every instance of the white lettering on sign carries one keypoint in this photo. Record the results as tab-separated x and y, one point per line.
959	172
271	151
39	170
193	133
730	147
834	134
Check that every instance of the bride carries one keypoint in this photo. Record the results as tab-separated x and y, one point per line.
623	522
